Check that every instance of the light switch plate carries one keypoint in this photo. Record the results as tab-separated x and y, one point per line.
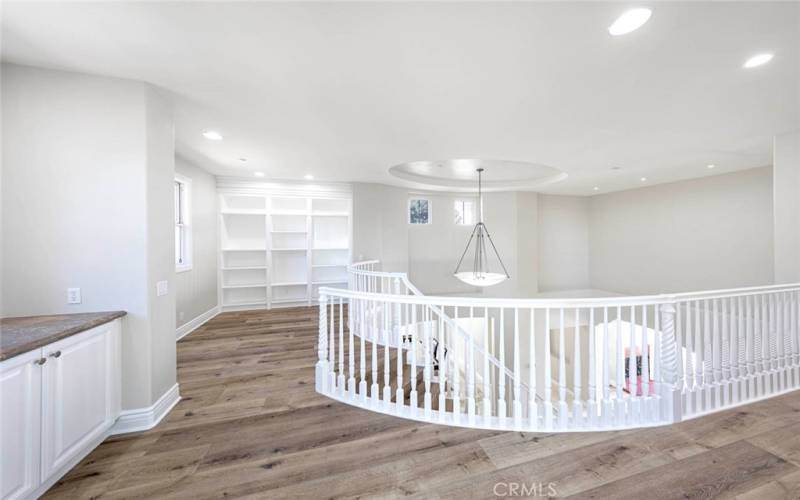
73	295
162	287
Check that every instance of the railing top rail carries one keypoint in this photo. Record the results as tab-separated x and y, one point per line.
555	303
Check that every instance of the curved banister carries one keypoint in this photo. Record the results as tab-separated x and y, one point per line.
694	353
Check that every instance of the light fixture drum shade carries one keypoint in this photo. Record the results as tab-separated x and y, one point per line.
481	274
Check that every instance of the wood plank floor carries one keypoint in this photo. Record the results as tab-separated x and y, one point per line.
251	425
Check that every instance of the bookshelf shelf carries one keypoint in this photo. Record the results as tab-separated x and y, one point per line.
278	246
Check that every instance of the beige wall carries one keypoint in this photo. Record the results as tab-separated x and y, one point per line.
709	233
563	243
787	208
83	158
196	289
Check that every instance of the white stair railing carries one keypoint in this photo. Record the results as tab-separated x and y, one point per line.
609	363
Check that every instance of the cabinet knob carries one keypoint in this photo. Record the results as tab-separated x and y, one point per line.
40	361
55	354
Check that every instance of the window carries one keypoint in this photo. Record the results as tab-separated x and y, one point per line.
465	212
419	211
183	224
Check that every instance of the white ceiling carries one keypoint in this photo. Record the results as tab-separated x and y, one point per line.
344	91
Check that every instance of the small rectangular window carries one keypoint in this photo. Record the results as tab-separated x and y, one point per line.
419	211
183	227
464	212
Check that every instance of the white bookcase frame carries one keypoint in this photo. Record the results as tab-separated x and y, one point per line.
288	234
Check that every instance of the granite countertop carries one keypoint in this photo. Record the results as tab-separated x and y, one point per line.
20	335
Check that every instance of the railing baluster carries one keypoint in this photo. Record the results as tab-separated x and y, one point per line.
442	352
577	407
517	374
658	360
456	375
341	380
331	305
592	409
608	409
471	370
533	407
563	413
691	381
413	394
548	374
768	344
487	391
374	394
634	388
362	367
321	368
646	366
779	340
399	394
759	348
427	403
502	409
351	359
387	359
620	400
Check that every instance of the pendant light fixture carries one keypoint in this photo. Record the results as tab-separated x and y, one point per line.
480	275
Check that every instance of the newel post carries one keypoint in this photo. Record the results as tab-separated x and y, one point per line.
322	347
671	401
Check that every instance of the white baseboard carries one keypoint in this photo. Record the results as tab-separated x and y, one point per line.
195	323
142	419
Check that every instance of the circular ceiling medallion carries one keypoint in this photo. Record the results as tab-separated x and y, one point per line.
461	175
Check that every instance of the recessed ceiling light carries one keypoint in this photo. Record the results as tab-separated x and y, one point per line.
643	179
258	174
616	168
758	60
711	166
308	177
630	20
243	160
212	135
596	188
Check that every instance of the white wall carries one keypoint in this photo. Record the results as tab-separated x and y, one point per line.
429	253
379	225
563	243
196	289
82	156
709	233
787	208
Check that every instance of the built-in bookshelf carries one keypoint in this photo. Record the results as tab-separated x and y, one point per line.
279	246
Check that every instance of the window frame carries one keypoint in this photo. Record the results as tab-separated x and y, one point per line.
430	211
464	201
182	219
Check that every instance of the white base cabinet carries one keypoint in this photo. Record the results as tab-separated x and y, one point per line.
57	403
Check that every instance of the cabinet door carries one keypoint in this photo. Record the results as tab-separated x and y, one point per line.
80	395
20	421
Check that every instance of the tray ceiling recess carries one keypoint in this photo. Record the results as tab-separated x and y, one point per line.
459	174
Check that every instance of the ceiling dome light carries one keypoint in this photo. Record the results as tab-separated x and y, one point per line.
711	166
630	20
596	188
643	179
212	135
258	174
308	177
758	60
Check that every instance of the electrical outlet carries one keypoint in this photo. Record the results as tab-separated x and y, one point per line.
162	287
73	295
